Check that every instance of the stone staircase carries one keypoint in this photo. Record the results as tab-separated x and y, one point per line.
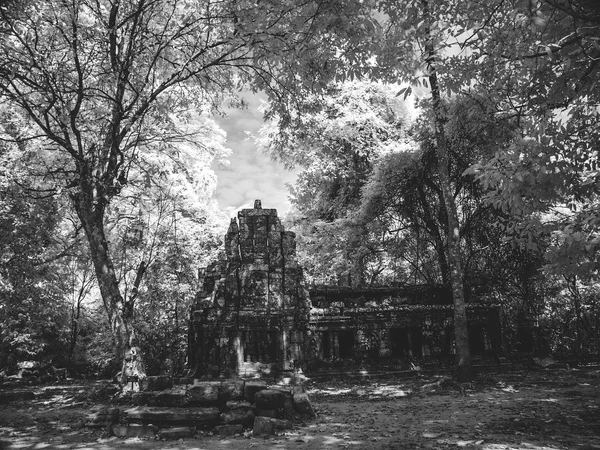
171	410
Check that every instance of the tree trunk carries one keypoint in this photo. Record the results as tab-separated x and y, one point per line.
120	313
432	226
440	249
75	315
464	369
576	296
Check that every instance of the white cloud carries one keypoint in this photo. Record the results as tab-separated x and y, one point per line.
251	174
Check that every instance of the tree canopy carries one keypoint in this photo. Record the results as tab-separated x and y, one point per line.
107	137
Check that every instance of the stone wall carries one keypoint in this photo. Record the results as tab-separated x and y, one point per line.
395	334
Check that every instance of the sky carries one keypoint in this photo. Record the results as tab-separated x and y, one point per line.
251	174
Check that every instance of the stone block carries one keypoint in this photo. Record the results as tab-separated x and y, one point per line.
288	243
229	430
158	398
276	262
263	426
141	398
267	413
289	412
251	388
203	392
271	399
246	252
200	417
233	404
257	212
102	417
232	390
302	403
176	433
156	383
266	426
243	415
134	430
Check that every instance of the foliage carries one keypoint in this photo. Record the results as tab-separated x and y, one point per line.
336	142
101	82
106	138
571	318
552	182
32	310
166	226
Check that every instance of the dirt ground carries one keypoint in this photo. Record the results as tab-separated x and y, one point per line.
537	409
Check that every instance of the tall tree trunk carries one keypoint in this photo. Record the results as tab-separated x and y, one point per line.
75	315
432	226
440	249
576	296
464	369
90	211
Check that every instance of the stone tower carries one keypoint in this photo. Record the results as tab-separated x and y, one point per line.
251	316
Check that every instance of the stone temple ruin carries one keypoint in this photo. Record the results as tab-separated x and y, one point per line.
255	317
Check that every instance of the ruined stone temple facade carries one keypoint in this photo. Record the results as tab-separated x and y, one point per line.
255	317
252	314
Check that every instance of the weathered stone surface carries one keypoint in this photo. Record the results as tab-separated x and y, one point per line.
134	430
271	399
233	404
302	403
229	430
251	388
232	241
203	392
265	426
243	415
289	412
201	417
16	396
156	383
267	413
102	417
158	398
232	390
176	433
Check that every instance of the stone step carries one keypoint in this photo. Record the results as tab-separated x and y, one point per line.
201	417
265	426
230	405
159	398
176	433
102	416
201	393
134	430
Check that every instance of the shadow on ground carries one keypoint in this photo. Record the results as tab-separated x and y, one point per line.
541	409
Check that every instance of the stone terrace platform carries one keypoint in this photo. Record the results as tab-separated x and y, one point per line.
173	411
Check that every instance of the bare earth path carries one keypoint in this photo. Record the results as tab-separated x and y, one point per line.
554	409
